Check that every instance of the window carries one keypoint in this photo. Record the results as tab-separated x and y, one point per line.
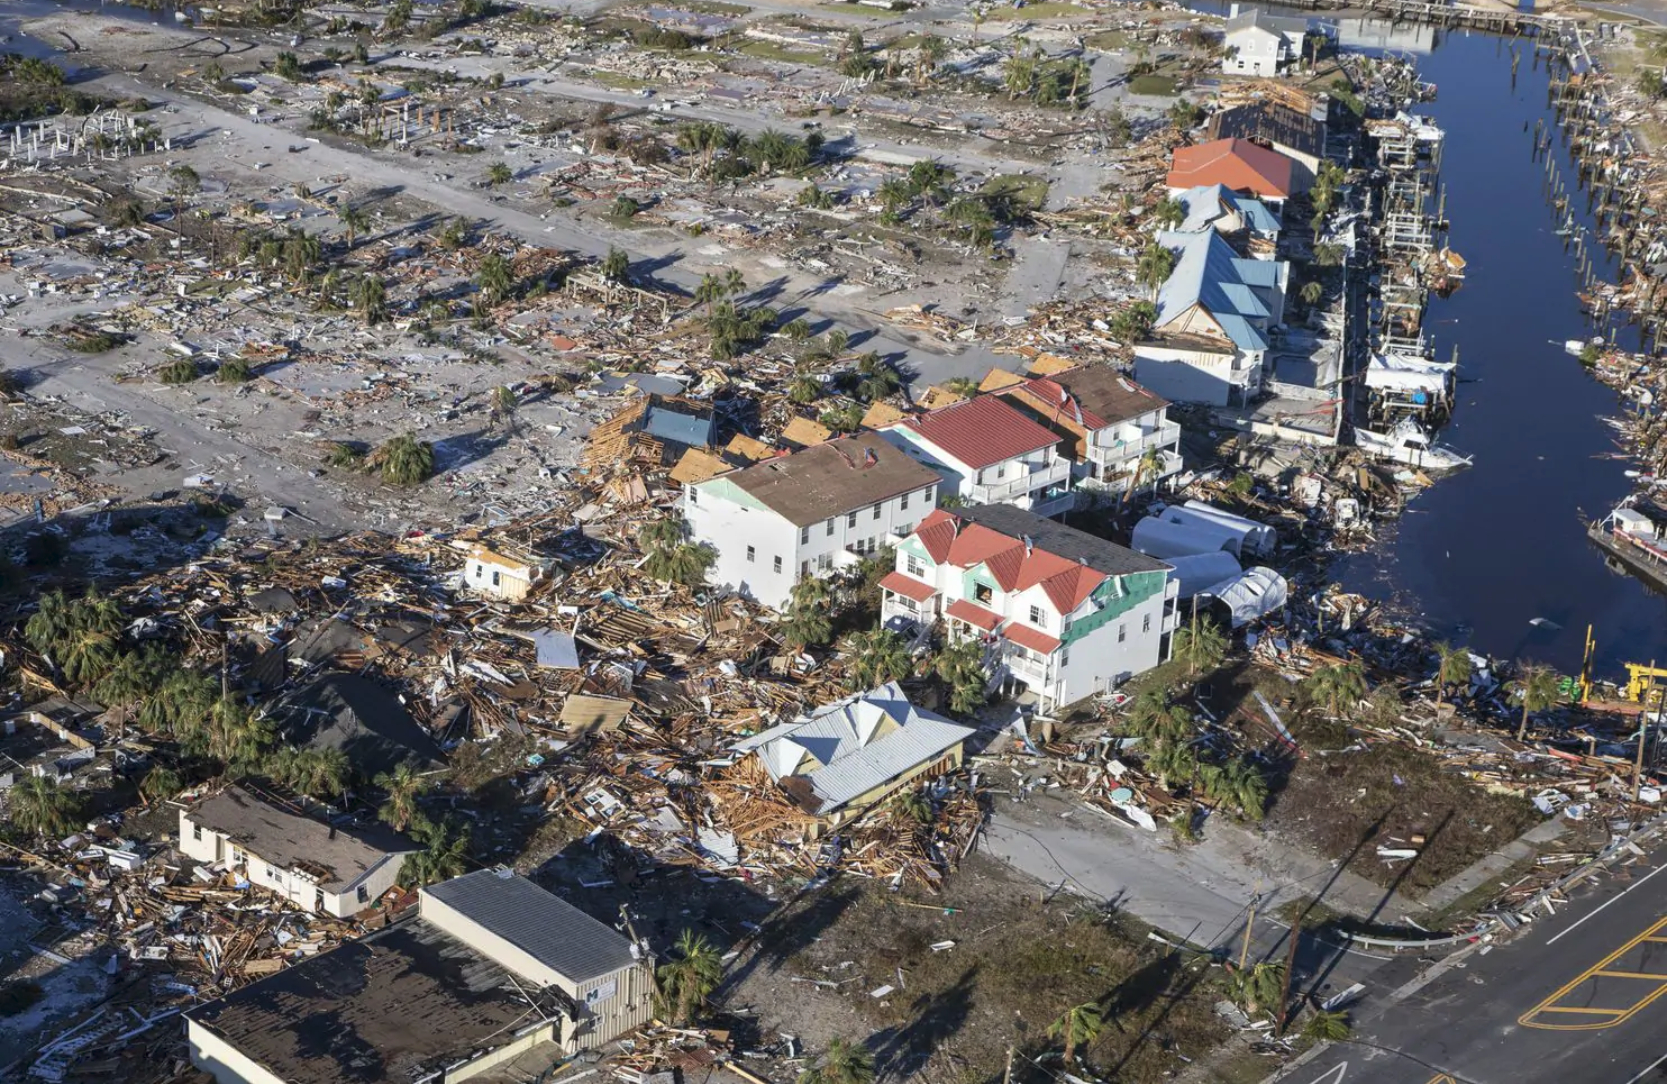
983	592
903	502
1146	623
480	571
850	519
1001	471
361	894
776	563
912	565
1122	632
271	874
875	512
804	568
752	554
1038	618
931	493
824	562
804	536
1064	655
196	831
694	495
494	577
829	530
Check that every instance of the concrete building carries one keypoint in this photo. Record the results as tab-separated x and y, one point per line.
1063	615
844	757
1216	312
313	864
1114	429
494	980
1237	165
1259	44
501	573
807	514
990	453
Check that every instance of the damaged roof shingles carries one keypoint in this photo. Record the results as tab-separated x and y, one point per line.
396	1006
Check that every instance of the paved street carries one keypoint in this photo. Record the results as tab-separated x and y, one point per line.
1574	999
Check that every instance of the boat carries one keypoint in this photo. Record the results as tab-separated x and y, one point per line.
1634	535
1445	270
1408	443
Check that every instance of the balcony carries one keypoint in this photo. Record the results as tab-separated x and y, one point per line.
1040	476
1163	437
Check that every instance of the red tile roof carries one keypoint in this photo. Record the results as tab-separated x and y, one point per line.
1034	639
963	610
1237	164
982	432
908	586
948	538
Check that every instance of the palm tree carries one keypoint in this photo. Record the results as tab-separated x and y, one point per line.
844	1062
446	856
370	296
1019	71
961	667
807	622
915	805
735	284
1326	1026
405	460
135	676
1081	1024
1453	667
1169	213
1343	683
499	173
403	786
1202	644
183	183
1154	267
670	557
51	623
689	979
39	807
929	53
878	656
494	278
1538	687
1259	987
353	220
804	389
92	649
160	784
709	292
236	736
1173	762
616	266
1311	292
1240	784
180	705
320	773
876	379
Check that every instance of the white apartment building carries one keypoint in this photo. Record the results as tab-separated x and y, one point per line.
316	866
990	453
807	514
1064	615
1261	44
1116	432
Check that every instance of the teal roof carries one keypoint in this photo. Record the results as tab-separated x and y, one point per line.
1207	202
1209	274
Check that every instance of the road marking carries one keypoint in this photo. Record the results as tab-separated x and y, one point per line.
1443	1078
1648	1071
1598	970
1630	974
1332	1076
1606	903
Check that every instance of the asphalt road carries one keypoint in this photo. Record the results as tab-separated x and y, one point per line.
1576	998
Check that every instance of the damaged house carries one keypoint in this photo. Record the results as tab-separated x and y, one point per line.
844	757
1216	311
494	975
302	857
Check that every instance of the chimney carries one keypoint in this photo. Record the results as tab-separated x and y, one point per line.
868	457
332	831
1026	539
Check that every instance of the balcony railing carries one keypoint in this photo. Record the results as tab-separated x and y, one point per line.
1039	477
1164	436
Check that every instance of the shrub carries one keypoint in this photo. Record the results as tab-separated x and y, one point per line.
234	371
178	371
405	460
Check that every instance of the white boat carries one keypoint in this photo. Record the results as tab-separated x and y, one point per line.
1408	443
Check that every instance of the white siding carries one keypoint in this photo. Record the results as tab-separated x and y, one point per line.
731	528
293	885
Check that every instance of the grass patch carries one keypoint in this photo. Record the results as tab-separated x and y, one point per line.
991	989
1025	191
1156	86
618	81
1049	9
769	50
1108	41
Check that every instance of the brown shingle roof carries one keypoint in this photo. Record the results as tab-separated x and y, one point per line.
831	479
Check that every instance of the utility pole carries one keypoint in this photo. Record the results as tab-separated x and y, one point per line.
1007	1074
1643	736
1250	920
653	972
1290	969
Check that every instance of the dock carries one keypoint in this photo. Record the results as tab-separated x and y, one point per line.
1633	559
1452	16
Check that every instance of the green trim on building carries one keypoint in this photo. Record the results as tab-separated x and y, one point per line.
729	491
1120	594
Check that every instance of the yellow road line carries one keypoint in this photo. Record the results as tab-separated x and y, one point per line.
1619	1016
1629	975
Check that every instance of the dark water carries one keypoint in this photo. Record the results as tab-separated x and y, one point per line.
1485	552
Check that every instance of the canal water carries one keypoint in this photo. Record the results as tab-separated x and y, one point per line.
1497	555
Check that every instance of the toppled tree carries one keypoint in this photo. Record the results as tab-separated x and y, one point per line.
233	371
671	557
178	371
1080	1024
403	460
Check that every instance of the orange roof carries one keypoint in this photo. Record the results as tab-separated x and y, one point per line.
1236	164
947	538
978	616
907	586
982	432
1035	639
